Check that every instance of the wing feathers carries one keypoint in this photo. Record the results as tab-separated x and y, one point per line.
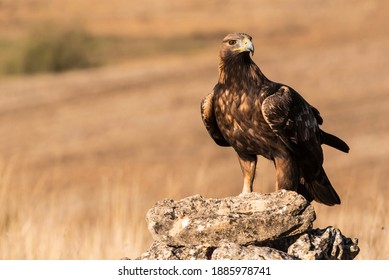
333	141
209	119
292	119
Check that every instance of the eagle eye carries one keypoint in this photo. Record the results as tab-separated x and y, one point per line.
232	42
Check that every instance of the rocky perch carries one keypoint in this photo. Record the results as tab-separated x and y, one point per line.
247	227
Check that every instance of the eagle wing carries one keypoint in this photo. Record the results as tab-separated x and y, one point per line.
295	122
209	119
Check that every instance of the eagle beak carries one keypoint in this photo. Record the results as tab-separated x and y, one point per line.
250	48
246	46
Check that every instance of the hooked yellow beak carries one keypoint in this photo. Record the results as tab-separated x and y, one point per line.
245	45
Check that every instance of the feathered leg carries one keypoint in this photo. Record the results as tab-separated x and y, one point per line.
248	164
287	175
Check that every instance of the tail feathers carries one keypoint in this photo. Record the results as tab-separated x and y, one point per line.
335	142
320	190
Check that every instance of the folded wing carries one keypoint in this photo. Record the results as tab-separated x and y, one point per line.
209	120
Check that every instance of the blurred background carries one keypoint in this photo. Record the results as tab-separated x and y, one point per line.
100	114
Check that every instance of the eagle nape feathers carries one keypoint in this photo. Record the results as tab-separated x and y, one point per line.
256	116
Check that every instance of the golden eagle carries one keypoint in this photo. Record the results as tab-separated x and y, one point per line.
256	116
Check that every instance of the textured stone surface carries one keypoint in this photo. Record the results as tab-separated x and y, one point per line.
161	251
233	251
255	226
324	244
243	219
228	251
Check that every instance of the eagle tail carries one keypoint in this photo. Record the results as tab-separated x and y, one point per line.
333	141
320	190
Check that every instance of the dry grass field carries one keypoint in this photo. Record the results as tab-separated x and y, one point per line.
85	153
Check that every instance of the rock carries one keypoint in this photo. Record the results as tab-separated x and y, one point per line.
327	244
162	251
248	227
228	251
243	220
233	251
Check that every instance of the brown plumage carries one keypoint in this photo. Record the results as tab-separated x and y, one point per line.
256	116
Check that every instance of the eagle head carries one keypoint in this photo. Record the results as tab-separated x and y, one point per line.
234	44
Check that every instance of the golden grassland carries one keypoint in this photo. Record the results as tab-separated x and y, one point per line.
84	154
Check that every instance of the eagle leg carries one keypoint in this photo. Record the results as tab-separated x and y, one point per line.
248	164
287	176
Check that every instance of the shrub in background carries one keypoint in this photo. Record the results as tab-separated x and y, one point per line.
58	49
53	48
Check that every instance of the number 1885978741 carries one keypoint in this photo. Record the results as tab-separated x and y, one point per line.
241	270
